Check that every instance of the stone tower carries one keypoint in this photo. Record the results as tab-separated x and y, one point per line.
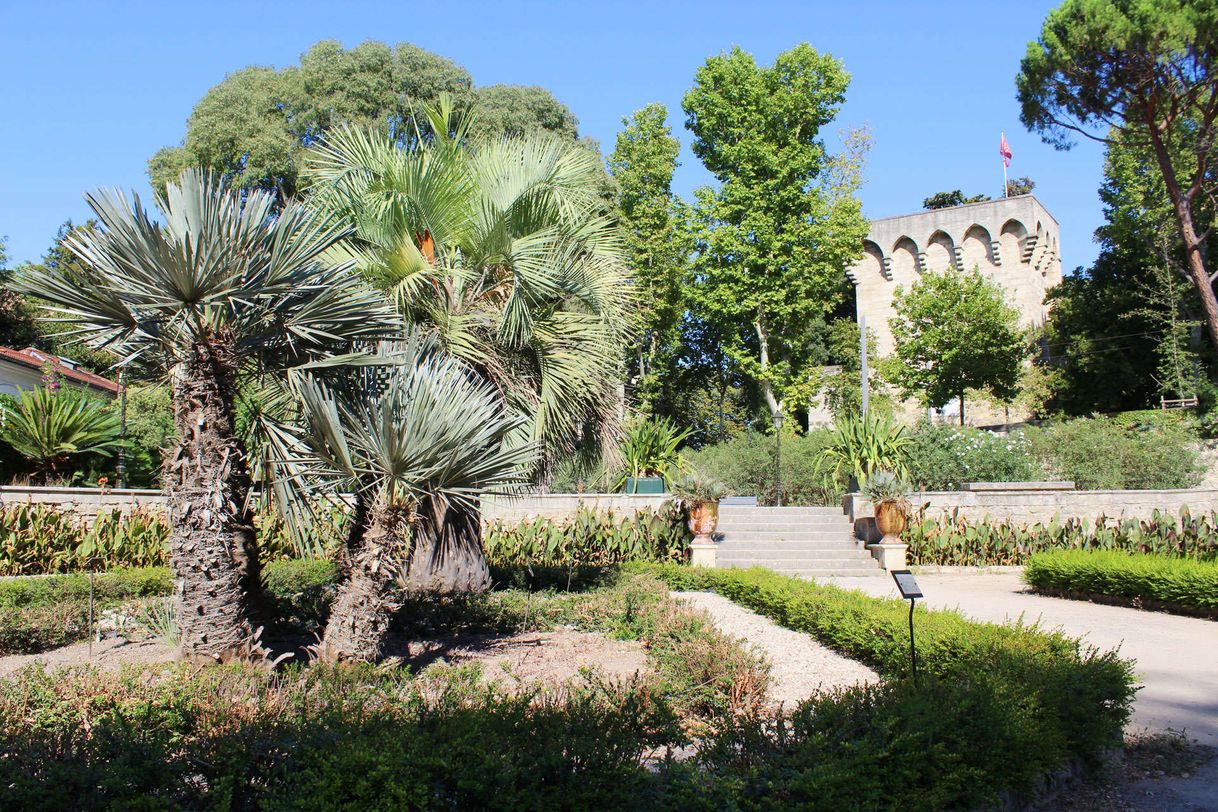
1013	240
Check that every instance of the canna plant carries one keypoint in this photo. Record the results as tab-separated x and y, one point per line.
51	427
418	439
221	288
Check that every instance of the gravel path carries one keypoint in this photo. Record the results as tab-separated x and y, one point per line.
800	666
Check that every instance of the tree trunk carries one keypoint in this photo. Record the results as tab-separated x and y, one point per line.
962	407
447	555
767	386
212	546
1182	206
366	600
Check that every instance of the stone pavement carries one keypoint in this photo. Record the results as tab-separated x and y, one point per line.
1177	657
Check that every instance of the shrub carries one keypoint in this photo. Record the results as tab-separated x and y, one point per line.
590	538
1129	452
956	541
745	464
1000	707
1174	584
942	457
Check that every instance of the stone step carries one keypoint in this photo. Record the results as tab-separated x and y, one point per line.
789	550
793	555
851	569
794	535
762	525
779	512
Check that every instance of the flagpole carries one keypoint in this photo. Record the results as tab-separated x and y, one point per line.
1005	185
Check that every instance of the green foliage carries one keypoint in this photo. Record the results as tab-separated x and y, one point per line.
150	431
1105	453
946	200
590	538
1142	75
1044	699
696	487
502	252
650	449
942	458
38	538
51	427
953	332
113	586
657	246
513	110
1157	582
862	444
884	486
774	237
745	464
956	541
1020	186
254	126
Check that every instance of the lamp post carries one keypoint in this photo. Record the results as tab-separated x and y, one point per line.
778	459
907	585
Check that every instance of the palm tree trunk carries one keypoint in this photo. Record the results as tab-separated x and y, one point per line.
212	546
366	600
448	555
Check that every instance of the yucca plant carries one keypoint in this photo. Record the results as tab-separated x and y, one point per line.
418	438
862	444
51	428
221	288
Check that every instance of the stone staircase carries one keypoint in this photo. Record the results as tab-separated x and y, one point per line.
801	541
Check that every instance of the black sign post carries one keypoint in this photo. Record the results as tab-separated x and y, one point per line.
910	591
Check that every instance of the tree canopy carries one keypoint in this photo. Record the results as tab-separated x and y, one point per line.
657	244
254	126
945	200
774	239
954	332
1142	74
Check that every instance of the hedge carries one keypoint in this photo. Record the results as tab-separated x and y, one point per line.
1153	581
1031	700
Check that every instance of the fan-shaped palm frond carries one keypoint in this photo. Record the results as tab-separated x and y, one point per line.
506	259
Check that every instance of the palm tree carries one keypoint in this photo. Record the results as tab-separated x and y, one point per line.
221	287
503	254
418	439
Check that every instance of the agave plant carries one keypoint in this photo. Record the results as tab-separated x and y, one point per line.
50	428
501	251
862	444
418	439
220	288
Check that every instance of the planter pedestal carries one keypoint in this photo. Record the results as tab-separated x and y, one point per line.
702	554
891	555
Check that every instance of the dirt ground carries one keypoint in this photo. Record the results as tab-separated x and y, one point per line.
526	657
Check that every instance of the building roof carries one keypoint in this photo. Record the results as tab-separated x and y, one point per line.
35	359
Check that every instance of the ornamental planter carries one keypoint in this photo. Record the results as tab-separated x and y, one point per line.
703	519
890	519
649	485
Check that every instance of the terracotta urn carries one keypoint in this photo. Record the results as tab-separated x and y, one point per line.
703	519
890	519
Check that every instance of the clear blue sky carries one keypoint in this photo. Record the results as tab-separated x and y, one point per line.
90	90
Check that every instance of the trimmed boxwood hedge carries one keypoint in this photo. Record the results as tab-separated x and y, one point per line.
1153	581
1047	700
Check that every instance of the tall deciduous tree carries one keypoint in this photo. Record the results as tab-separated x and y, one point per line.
774	239
220	287
657	244
1143	74
954	332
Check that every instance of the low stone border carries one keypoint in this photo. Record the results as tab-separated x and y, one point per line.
945	569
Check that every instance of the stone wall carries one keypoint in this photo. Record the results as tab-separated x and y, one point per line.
87	502
1026	506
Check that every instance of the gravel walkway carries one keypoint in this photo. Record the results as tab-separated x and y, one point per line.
800	666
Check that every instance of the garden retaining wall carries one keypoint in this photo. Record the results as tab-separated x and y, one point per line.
1028	505
88	502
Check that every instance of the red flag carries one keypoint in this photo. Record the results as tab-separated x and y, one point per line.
1004	149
